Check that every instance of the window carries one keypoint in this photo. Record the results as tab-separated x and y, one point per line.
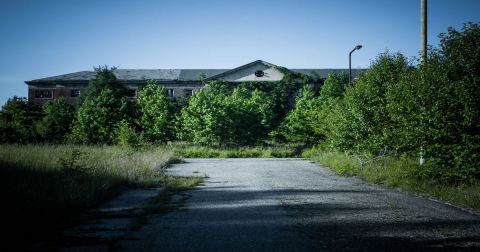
131	93
75	93
170	92
188	92
259	73
44	94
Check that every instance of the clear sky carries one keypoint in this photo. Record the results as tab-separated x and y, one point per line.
43	38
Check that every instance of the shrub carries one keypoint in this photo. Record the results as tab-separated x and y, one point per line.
217	116
17	118
156	113
362	123
300	123
127	136
55	124
96	119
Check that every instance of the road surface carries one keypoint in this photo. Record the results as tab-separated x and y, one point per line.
295	205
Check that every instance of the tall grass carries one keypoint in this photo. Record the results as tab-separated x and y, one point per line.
400	172
280	151
43	186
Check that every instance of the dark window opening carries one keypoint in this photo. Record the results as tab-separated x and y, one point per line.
259	73
188	92
131	93
170	92
75	93
44	94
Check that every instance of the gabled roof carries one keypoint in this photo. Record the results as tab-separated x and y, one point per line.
240	68
176	74
137	75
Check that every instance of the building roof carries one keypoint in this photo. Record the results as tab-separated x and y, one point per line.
174	74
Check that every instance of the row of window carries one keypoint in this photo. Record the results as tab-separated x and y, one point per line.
186	92
48	93
130	93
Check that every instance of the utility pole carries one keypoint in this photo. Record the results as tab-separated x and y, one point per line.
423	52
423	21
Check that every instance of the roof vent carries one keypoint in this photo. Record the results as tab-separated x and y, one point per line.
259	73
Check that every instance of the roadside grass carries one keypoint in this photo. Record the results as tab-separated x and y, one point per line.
274	151
174	185
399	173
47	186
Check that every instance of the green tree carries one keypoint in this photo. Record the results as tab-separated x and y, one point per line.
55	124
438	108
205	120
362	123
17	118
104	78
300	123
97	117
218	116
334	86
156	113
126	135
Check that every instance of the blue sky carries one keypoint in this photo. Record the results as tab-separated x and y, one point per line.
44	38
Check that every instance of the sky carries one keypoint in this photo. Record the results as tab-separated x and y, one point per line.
42	38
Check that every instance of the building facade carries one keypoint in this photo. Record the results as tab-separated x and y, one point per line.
177	82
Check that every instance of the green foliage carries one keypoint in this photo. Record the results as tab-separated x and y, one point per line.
127	136
217	116
362	123
205	120
17	118
400	172
334	86
56	121
96	119
156	113
300	123
104	78
439	105
434	108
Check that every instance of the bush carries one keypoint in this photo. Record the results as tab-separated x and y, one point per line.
127	136
17	118
217	116
96	119
362	123
300	123
55	124
156	113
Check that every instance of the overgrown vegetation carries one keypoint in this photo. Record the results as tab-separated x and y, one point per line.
397	110
278	151
44	186
397	172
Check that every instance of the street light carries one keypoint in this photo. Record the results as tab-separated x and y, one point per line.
358	47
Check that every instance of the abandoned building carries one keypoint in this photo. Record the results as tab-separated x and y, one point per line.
177	82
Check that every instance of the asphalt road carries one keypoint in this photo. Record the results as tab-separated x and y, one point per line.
295	205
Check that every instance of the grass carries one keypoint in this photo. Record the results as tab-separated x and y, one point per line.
397	172
173	186
44	186
279	151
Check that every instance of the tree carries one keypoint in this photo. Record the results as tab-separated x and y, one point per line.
300	123
217	116
362	123
17	118
438	108
104	78
55	124
334	86
156	113
97	117
205	120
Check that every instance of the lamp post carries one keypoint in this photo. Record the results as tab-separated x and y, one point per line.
358	47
